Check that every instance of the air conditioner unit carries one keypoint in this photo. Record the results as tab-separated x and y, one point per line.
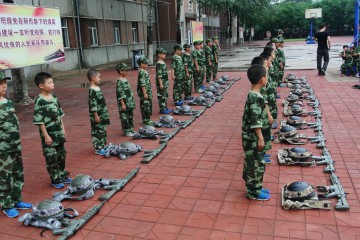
190	8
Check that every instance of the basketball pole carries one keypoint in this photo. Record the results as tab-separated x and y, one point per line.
311	40
356	25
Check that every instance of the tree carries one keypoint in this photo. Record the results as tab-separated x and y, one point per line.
178	21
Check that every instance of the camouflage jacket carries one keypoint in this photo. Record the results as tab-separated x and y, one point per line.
49	114
198	56
144	81
355	52
97	104
187	60
9	128
208	54
178	66
282	55
215	51
123	91
253	116
161	72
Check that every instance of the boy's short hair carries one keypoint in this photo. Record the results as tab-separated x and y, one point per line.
258	60
345	46
41	77
265	55
268	50
322	25
255	73
92	73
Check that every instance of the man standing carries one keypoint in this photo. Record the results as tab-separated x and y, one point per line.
324	45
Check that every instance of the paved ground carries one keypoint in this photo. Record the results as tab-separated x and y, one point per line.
194	189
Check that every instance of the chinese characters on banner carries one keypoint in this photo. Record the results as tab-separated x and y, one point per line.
197	29
29	36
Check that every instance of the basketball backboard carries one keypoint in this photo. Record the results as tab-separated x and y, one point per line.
313	13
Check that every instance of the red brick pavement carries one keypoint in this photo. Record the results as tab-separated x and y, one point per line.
194	189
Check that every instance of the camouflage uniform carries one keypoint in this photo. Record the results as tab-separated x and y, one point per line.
283	61
11	167
347	66
145	104
123	91
209	69
266	130
162	95
356	59
198	75
49	114
254	166
215	65
188	62
97	104
276	64
271	93
179	73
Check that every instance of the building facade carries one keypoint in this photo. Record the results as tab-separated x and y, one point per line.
97	32
189	12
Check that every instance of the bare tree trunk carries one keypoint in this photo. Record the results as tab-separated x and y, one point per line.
178	21
19	85
149	39
238	30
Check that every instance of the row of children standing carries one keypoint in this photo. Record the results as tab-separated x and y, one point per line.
186	68
48	114
260	115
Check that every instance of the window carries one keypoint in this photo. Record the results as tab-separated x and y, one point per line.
65	32
116	30
93	33
134	30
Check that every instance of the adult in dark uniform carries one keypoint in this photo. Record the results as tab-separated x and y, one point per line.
324	45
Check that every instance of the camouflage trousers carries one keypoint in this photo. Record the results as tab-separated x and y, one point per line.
55	162
127	121
198	78
162	96
273	106
11	179
178	89
215	67
266	132
188	85
254	168
98	135
146	109
209	70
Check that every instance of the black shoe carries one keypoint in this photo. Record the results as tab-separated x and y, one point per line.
322	73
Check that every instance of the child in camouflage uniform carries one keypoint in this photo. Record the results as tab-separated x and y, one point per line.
282	59
209	56
48	116
11	166
215	63
199	67
178	75
125	100
99	116
252	137
189	69
268	119
162	81
144	91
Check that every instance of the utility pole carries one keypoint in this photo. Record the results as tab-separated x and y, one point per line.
150	45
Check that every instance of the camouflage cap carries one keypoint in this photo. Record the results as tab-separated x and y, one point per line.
201	42
280	31
177	47
196	43
143	60
275	40
215	37
208	41
281	40
2	76
186	45
122	67
161	51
